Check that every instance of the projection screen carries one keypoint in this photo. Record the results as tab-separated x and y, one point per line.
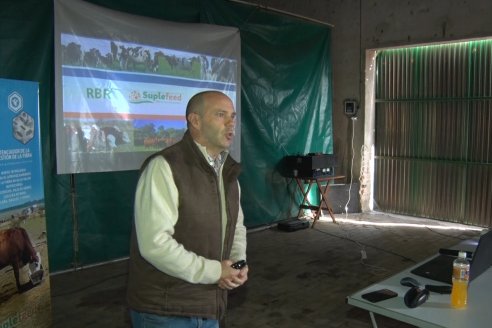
122	83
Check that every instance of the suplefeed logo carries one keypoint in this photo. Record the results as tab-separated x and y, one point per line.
137	97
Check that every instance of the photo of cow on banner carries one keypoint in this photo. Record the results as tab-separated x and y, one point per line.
24	280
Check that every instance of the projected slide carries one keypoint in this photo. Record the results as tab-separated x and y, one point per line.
121	97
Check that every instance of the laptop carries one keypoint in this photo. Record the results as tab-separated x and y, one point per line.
440	268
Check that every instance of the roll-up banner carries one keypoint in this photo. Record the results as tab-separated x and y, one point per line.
24	283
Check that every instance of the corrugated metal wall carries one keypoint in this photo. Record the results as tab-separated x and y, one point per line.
433	153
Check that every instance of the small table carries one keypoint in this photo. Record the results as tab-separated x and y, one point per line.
323	184
436	312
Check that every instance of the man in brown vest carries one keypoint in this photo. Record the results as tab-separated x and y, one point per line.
188	224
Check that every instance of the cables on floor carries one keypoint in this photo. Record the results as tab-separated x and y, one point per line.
377	270
362	247
373	268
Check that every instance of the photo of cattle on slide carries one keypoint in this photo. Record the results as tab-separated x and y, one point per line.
16	250
94	138
120	56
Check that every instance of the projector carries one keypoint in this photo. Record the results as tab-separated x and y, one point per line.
313	165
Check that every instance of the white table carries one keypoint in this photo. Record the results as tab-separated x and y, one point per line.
436	312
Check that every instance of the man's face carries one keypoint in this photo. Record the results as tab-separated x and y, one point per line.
217	124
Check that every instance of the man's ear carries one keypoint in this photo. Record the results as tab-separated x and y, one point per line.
194	120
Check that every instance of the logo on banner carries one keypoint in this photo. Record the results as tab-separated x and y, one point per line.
15	102
23	127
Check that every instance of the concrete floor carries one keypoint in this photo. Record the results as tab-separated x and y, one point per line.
297	279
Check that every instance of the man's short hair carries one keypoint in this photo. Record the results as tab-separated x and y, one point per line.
197	102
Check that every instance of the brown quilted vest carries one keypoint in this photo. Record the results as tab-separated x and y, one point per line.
199	229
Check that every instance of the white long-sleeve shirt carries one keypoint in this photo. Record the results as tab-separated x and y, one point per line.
156	214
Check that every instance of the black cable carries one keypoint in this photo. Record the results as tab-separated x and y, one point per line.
366	245
446	235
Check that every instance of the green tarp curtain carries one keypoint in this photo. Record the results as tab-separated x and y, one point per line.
286	110
286	102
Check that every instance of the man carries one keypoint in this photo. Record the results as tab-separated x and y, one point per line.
188	224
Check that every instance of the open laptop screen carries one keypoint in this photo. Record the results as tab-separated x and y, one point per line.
482	256
440	268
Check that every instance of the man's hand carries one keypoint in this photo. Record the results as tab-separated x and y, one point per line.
232	278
